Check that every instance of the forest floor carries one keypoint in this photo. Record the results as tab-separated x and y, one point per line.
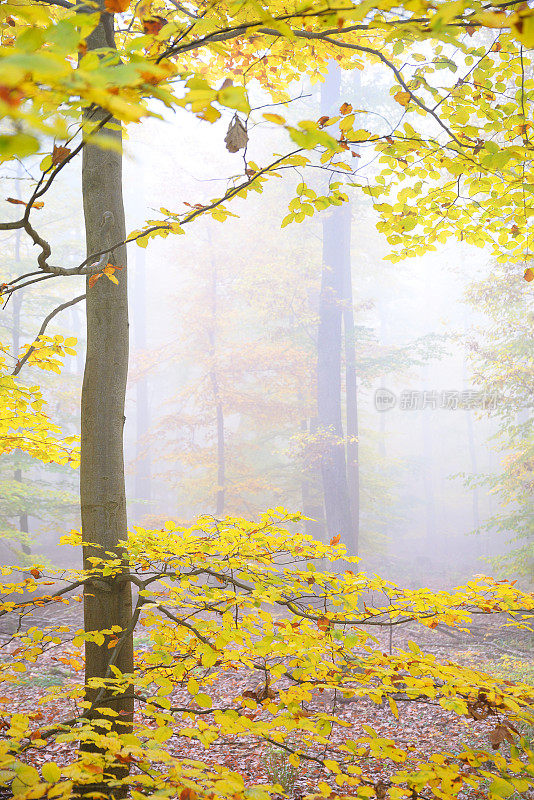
420	729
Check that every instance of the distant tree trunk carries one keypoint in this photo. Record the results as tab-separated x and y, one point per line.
329	346
143	460
107	601
382	415
219	410
351	384
305	482
310	488
17	306
474	470
428	475
472	449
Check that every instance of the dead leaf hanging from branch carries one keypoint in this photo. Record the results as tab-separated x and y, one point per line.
236	136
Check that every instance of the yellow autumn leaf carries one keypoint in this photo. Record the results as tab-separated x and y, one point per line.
279	120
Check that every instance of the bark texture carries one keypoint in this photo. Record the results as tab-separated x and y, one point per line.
107	602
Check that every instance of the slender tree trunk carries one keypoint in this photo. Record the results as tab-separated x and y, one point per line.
382	415
329	346
143	460
311	491
221	466
107	601
428	475
351	384
17	306
219	410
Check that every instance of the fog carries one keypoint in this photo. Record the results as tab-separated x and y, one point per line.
222	405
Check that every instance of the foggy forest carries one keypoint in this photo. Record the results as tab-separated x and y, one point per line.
266	434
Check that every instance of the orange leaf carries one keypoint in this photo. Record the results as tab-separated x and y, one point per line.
10	96
403	98
117	6
346	108
93	279
109	272
335	540
35	573
17	202
96	769
529	274
127	759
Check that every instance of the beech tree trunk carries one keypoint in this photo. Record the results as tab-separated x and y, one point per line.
382	415
219	410
107	601
312	505
17	304
428	473
351	384
329	348
15	342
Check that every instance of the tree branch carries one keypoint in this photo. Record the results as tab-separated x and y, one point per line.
42	329
61	3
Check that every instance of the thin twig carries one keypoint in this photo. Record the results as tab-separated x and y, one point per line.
42	329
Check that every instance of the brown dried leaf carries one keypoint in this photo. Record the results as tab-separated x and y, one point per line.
498	735
59	154
237	136
153	25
